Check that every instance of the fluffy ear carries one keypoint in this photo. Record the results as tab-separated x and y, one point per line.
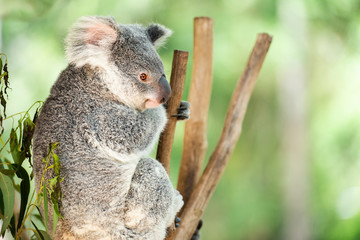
158	34
90	37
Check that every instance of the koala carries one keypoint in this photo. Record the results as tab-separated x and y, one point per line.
106	111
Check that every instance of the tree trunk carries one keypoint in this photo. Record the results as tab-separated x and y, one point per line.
292	92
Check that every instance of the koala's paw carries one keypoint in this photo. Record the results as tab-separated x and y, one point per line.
196	235
183	112
177	222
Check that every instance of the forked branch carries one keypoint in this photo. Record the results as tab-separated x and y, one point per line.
199	198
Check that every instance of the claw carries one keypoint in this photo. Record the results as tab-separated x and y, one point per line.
177	222
181	116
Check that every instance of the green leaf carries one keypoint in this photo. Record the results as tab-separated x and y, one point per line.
46	207
28	132
1	127
12	226
55	220
20	171
39	215
53	182
24	191
8	172
54	146
17	155
17	187
6	78
20	126
8	194
38	233
3	102
1	65
56	164
1	206
45	235
41	234
37	236
55	203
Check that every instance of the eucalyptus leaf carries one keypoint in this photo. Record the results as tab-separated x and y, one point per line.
55	220
20	126
45	235
37	236
14	147
28	131
41	234
1	127
53	182
12	226
56	164
46	207
6	78
3	102
38	232
8	194
55	203
24	190
38	217
8	172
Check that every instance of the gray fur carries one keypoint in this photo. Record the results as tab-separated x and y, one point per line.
97	112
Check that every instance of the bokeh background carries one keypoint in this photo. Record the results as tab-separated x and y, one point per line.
295	172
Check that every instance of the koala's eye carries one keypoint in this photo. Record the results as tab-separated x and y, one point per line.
143	77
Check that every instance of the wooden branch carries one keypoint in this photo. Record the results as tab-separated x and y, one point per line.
230	134
195	142
177	82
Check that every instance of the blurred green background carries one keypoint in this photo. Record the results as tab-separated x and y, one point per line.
295	171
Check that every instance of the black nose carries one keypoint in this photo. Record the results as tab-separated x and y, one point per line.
165	91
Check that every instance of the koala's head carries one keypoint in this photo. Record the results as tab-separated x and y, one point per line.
126	56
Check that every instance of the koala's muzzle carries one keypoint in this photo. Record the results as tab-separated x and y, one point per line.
162	95
165	91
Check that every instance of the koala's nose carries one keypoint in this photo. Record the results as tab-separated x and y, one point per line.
165	91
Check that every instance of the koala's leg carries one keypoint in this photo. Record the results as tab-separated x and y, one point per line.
152	202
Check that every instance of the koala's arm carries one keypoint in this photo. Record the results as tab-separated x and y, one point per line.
124	133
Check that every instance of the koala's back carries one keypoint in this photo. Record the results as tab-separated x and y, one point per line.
94	187
57	119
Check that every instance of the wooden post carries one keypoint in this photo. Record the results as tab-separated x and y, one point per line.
177	82
231	131
195	142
